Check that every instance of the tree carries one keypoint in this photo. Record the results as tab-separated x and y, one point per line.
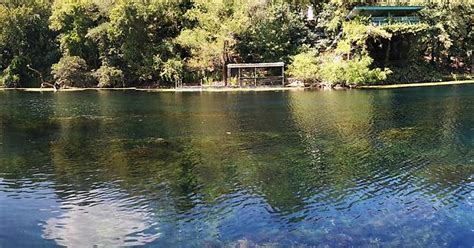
274	34
451	37
25	40
157	42
72	71
72	19
213	24
138	38
108	76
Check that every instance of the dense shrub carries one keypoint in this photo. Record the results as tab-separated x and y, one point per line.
12	75
108	76
9	79
72	71
355	71
304	66
414	72
172	71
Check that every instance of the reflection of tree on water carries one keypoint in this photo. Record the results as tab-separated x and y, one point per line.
435	140
24	127
202	165
373	143
331	125
190	164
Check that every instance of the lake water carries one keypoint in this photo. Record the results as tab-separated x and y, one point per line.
298	168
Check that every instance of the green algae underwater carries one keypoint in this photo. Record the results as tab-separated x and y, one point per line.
238	169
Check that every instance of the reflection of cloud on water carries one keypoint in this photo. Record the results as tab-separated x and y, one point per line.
103	224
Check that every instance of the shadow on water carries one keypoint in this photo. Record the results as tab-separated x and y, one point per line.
361	168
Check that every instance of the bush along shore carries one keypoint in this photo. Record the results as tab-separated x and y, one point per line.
157	43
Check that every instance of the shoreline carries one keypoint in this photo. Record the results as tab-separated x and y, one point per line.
195	89
413	85
230	89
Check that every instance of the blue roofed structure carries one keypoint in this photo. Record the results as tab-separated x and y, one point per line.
382	15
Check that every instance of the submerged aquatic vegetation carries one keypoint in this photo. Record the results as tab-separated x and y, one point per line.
348	168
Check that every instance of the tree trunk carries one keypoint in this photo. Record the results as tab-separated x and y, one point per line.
225	59
387	53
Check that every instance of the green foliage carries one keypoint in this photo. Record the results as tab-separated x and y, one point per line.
417	71
9	78
304	66
355	36
275	33
25	36
73	19
450	40
72	71
403	28
215	23
108	76
356	71
138	37
144	43
172	71
326	27
13	74
408	44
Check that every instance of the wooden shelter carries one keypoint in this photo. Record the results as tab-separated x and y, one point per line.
255	76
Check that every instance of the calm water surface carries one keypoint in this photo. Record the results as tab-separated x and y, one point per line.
344	168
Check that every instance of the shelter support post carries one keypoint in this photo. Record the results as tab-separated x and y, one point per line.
240	80
255	76
282	76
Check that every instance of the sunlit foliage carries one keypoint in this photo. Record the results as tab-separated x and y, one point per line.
212	30
162	42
